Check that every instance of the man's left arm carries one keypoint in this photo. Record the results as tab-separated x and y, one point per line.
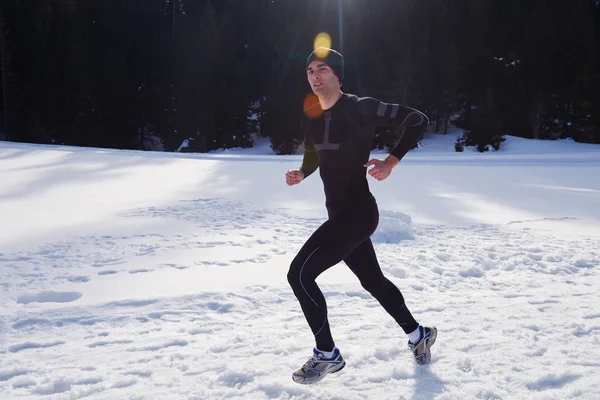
409	123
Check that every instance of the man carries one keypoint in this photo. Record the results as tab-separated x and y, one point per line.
338	133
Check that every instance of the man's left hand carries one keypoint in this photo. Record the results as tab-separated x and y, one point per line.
382	168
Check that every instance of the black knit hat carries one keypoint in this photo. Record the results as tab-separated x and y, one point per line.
330	57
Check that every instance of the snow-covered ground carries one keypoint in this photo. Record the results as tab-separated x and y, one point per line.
139	275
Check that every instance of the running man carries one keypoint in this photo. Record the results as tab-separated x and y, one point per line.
338	133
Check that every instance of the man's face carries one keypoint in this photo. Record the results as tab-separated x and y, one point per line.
321	78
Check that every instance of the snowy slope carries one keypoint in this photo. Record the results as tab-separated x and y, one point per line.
133	275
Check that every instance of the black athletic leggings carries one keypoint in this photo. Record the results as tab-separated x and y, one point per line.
345	236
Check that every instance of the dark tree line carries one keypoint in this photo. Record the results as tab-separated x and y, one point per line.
150	74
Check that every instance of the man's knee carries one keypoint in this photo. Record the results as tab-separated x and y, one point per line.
300	272
292	278
293	275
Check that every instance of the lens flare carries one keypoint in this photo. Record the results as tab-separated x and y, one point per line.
312	112
322	40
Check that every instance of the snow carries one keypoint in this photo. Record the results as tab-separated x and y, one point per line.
146	275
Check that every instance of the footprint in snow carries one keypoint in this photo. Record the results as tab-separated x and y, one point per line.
552	381
30	322
472	273
32	345
548	301
444	257
23	383
49	297
8	374
170	343
131	303
108	272
145	250
103	263
123	383
77	279
104	343
63	385
140	373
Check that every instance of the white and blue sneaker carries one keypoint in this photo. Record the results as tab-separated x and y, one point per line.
421	349
318	366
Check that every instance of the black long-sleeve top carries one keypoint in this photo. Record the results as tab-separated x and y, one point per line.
338	141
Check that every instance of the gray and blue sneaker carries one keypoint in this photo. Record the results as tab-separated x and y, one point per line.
318	366
421	348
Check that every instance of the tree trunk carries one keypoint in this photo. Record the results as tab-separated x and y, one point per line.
261	117
405	91
4	66
536	117
438	112
4	89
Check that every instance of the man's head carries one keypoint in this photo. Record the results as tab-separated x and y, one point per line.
325	70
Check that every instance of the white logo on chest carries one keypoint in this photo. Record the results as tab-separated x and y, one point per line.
326	145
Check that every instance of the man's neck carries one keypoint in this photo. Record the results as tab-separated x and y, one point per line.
329	101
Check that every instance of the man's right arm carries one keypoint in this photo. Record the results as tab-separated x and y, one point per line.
310	162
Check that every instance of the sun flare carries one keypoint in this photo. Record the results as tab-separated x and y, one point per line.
322	40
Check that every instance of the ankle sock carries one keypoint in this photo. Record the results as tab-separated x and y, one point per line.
327	354
415	335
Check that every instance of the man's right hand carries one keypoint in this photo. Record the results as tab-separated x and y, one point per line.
294	177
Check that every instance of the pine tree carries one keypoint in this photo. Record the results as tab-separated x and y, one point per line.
118	74
199	59
147	45
52	75
578	123
8	78
76	120
479	48
443	68
486	126
391	56
591	131
556	69
286	84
